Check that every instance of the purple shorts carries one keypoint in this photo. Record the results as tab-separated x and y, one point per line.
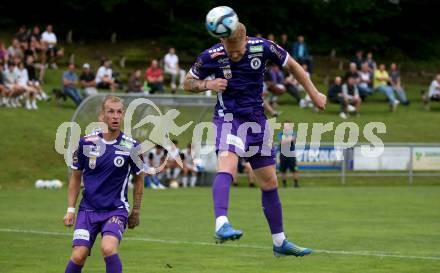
247	136
90	223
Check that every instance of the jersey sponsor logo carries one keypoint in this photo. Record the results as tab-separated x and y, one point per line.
81	234
126	144
119	161
235	140
255	63
250	56
121	153
92	162
216	54
276	52
223	60
257	48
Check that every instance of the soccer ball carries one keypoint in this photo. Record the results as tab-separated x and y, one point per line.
40	184
174	184
221	22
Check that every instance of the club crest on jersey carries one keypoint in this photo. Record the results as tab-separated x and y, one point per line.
92	162
119	161
227	72
255	63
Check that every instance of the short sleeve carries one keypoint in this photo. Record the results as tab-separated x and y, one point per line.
78	158
136	159
202	67
275	53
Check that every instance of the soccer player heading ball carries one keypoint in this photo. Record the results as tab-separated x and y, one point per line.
237	65
104	161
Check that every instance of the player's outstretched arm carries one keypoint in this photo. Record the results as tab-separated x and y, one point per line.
319	99
72	196
133	219
192	84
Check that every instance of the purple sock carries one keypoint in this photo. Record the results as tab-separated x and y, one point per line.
73	267
272	210
220	193
113	264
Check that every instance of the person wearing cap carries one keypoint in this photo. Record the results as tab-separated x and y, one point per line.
87	81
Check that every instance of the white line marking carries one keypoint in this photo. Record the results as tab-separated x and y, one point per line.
144	239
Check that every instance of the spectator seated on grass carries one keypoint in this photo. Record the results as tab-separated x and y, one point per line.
152	166
335	95
49	41
351	96
10	78
433	93
172	68
34	81
4	54
15	51
273	86
300	53
30	92
365	83
87	81
397	85
70	80
4	92
189	167
135	83
154	77
104	77
381	80
22	36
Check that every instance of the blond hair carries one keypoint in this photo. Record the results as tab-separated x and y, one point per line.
110	98
239	35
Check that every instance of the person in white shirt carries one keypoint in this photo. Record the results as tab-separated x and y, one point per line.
364	85
49	40
433	93
153	168
189	167
434	89
23	83
104	77
171	67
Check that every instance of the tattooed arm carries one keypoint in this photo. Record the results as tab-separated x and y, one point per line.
133	220
192	84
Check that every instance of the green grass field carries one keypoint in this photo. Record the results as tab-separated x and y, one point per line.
353	229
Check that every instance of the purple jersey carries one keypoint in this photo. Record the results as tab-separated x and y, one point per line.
243	94
105	173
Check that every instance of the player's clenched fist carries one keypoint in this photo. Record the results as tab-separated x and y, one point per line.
69	219
319	101
217	84
133	219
